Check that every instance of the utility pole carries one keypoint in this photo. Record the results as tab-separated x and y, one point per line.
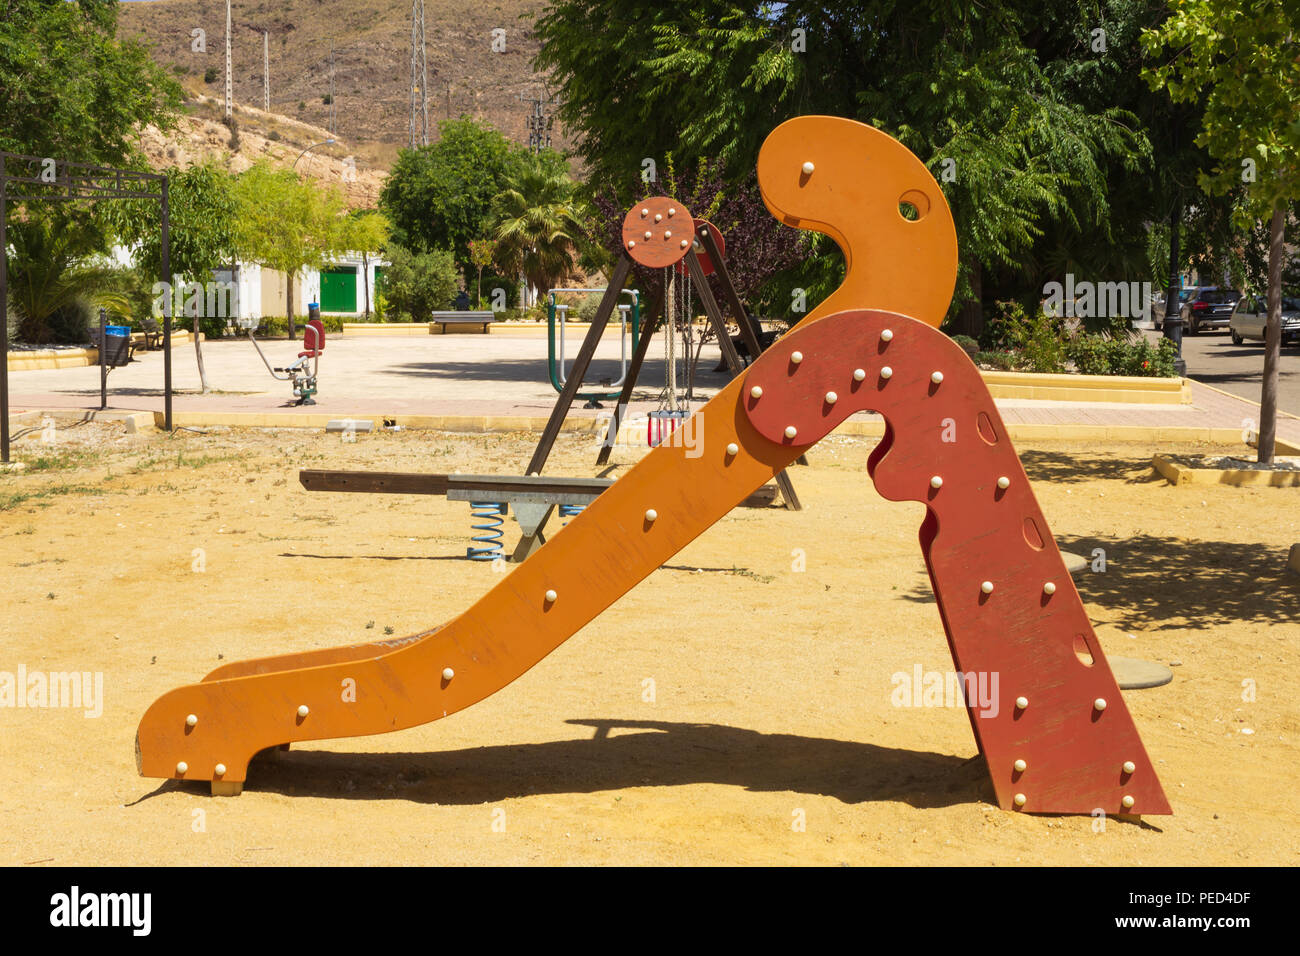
266	70
539	122
331	86
229	84
419	114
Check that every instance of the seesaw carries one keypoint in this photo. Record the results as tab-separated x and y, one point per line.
1061	739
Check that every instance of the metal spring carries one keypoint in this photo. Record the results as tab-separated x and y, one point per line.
571	511
490	514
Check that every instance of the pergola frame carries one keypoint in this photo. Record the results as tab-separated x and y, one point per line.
72	182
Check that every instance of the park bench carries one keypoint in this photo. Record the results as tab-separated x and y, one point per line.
462	318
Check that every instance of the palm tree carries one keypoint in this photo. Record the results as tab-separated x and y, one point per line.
540	225
54	284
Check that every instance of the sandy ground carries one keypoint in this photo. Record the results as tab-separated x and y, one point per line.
150	559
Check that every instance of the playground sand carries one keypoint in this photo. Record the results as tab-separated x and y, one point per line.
733	708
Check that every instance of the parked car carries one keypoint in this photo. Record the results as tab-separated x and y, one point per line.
1158	305
1209	308
1250	315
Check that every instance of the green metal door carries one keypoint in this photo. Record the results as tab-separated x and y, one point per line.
338	290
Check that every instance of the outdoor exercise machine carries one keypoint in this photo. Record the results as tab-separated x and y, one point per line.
557	314
1060	739
301	374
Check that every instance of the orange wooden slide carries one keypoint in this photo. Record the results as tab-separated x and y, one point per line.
1059	740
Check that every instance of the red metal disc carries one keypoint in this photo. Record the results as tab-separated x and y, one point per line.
706	262
657	232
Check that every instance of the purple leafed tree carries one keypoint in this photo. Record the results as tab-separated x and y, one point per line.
757	245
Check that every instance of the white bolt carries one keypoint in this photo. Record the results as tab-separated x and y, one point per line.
667	234
756	391
644	211
1020	766
791	431
647	233
219	769
551	596
936	377
448	673
1022	703
831	398
733	449
1004	482
887	335
886	372
1020	799
191	720
987	587
685	243
859	374
651	514
658	216
1129	766
936	482
1128	802
1049	588
672	210
182	767
1099	703
303	710
808	169
796	357
631	243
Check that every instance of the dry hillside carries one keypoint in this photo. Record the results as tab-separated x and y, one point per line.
372	53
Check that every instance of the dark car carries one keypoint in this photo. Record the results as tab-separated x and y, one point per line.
1209	308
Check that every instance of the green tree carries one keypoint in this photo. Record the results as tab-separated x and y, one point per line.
482	253
440	196
977	91
1241	57
70	90
203	218
540	224
286	224
417	284
365	231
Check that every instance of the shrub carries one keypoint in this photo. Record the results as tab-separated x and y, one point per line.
1094	354
968	344
1002	361
277	326
1039	338
210	75
416	284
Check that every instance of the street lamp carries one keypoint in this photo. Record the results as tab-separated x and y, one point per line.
328	142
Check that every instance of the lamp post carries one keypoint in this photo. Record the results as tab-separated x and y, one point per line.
328	142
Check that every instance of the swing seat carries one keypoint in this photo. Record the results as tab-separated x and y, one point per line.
661	424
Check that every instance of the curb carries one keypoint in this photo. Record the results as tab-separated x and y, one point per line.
1177	474
591	425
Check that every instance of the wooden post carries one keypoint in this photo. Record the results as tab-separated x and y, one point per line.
580	364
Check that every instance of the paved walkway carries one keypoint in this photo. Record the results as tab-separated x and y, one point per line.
472	375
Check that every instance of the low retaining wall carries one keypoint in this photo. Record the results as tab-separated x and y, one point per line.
27	361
